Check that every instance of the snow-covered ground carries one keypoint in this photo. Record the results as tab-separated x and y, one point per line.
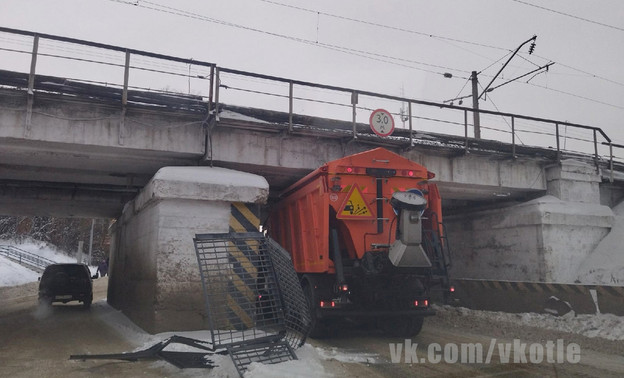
606	326
309	363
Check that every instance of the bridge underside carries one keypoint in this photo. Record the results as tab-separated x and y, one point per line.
80	157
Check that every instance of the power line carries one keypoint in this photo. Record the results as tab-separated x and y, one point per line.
577	96
585	72
569	15
346	50
382	25
368	55
447	39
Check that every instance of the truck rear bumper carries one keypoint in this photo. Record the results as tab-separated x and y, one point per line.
345	313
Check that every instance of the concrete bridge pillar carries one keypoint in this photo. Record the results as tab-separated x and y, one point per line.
543	240
154	277
573	181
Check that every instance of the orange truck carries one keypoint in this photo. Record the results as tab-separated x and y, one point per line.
366	238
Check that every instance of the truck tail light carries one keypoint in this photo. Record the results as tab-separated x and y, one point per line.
452	289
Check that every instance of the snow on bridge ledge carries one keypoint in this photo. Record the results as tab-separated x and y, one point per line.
203	184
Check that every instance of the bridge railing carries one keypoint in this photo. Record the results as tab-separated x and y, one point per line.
18	255
135	77
355	106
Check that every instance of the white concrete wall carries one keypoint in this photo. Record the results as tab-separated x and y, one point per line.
546	239
154	273
543	240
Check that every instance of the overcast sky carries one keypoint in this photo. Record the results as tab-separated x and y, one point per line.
393	47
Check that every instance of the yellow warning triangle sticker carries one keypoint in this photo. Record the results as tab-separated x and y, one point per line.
354	207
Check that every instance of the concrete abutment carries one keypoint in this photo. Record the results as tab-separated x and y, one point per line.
542	240
154	277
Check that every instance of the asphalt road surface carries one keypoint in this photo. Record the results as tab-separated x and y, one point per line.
37	343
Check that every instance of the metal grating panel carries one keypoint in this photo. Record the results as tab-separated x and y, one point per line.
251	289
271	353
296	313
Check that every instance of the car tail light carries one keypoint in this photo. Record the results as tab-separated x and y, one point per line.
328	304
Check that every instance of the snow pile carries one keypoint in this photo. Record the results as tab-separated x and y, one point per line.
307	365
606	326
605	265
13	274
342	356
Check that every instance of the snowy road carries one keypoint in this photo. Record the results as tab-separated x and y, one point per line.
452	329
35	343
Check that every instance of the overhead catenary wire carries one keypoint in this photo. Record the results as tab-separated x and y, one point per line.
385	26
569	15
445	38
364	54
368	55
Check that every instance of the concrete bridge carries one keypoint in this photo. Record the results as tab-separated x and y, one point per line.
167	166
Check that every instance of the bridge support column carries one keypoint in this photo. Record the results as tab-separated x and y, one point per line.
542	240
573	181
154	277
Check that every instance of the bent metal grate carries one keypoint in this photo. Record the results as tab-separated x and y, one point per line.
254	302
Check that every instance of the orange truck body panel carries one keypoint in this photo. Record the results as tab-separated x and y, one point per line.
342	194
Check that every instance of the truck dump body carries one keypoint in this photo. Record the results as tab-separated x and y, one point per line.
343	227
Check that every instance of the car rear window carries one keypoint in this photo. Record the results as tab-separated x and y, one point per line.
71	270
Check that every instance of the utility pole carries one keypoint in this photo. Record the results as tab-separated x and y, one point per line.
475	85
475	105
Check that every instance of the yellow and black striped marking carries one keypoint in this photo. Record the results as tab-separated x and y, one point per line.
244	217
245	264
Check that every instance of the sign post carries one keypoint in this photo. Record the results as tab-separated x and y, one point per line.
381	122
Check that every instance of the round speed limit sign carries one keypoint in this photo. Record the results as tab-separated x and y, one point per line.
381	122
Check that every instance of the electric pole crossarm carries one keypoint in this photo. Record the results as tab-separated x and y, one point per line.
521	76
532	39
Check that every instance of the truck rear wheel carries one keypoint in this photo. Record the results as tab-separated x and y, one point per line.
405	326
318	328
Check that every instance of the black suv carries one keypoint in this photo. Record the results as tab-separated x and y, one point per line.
66	283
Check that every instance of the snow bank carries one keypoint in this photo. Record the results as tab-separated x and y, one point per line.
13	274
606	326
307	365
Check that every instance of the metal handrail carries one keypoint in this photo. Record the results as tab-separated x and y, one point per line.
26	258
215	84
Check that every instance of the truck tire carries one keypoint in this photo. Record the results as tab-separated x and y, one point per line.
318	328
405	326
